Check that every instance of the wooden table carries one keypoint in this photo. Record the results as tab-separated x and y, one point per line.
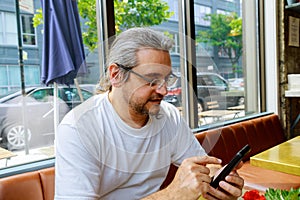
239	107
217	113
284	157
5	154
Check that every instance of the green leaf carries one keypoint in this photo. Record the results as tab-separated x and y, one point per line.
292	194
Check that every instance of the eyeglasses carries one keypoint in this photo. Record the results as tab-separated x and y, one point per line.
155	84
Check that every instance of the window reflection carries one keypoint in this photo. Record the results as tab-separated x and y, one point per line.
220	85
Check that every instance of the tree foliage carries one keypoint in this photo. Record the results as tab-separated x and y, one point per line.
225	33
128	13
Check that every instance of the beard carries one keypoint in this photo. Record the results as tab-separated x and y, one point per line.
145	107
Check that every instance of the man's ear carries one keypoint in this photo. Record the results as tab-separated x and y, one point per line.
114	75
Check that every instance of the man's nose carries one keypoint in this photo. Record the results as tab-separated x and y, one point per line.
163	90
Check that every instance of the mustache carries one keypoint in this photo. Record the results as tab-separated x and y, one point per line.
156	97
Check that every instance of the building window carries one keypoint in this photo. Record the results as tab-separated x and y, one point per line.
9	30
204	49
28	31
224	12
173	6
200	13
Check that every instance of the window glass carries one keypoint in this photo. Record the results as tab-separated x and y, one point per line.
223	62
173	5
221	71
28	31
1	28
204	49
200	14
219	56
9	28
3	75
39	105
31	77
14	75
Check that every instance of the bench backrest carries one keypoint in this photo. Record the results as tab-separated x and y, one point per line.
260	133
224	142
35	185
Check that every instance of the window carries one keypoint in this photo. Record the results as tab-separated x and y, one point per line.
204	49
8	29
224	12
200	14
176	47
28	31
38	108
223	60
173	4
216	73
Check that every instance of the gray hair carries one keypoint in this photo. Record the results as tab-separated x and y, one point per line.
124	48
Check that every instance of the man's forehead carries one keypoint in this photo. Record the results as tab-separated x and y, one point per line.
153	68
154	58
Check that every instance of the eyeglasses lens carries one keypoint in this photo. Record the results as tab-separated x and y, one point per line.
171	80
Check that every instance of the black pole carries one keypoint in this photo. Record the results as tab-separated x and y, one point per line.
21	64
20	48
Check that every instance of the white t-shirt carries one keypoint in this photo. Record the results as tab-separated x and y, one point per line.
98	156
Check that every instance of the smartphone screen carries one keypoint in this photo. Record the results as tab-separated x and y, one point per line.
230	166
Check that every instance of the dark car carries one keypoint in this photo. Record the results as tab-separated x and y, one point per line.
39	114
211	87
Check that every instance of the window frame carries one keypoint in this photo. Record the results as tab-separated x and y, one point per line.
270	42
27	34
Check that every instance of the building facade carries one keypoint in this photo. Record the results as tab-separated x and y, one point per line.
208	58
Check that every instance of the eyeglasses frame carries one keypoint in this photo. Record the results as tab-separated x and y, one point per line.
150	82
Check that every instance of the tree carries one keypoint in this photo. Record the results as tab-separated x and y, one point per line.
225	33
128	13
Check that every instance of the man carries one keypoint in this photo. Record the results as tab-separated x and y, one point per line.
120	144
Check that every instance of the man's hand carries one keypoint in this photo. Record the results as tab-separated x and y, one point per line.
192	178
229	189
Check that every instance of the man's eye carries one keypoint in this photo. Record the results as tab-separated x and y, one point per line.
154	82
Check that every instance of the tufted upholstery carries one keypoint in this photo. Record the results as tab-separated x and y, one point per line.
36	185
260	133
47	181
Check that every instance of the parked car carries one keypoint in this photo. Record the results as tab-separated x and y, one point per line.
210	87
39	115
236	83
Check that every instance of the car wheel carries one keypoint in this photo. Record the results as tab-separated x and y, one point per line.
15	137
241	101
201	105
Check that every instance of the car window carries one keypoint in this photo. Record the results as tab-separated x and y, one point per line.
86	94
206	80
71	94
217	81
200	80
42	94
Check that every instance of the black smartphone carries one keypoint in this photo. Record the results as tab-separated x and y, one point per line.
230	166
